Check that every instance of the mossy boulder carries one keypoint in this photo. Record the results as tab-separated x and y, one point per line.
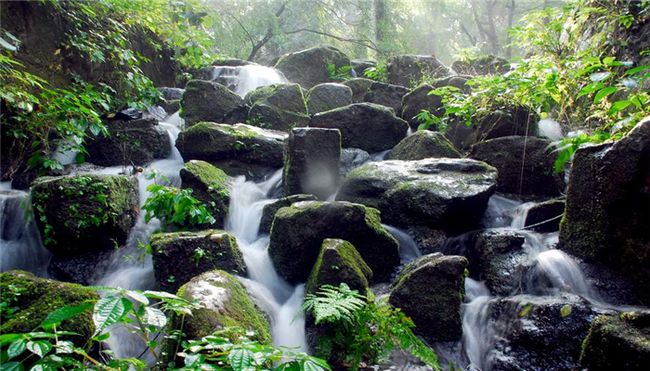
277	107
424	144
608	209
430	290
417	100
352	158
360	87
271	117
269	210
406	70
85	212
129	142
525	165
485	65
386	95
312	66
618	342
210	185
505	120
179	256
34	298
339	262
298	232
311	162
361	65
327	96
236	149
449	194
370	127
210	101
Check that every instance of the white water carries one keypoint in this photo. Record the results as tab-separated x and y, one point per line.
244	79
408	249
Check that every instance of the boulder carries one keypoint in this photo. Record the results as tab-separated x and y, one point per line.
409	70
417	100
269	210
310	67
456	81
430	291
428	240
339	262
545	216
618	342
171	106
34	298
352	158
423	144
360	87
84	213
236	149
84	268
485	65
461	135
361	65
525	165
507	120
168	93
387	95
311	162
271	117
209	185
608	206
367	126
298	232
179	256
129	142
327	96
440	193
210	101
277	107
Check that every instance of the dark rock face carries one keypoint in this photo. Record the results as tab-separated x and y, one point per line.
367	126
298	232
236	149
309	67
179	256
311	161
430	291
417	100
424	144
339	262
387	95
461	135
209	185
406	69
171	93
129	142
506	121
361	65
525	165
327	96
608	206
440	193
618	342
545	216
352	158
277	107
269	210
83	268
487	65
360	87
84	213
210	101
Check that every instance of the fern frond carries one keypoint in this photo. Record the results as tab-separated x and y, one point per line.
333	304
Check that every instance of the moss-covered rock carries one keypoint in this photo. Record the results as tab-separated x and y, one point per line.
269	210
444	193
298	232
236	149
618	343
430	290
339	262
33	298
507	120
271	117
179	256
210	185
370	127
386	95
327	96
312	66
360	87
210	101
484	65
417	100
406	70
86	212
277	107
424	144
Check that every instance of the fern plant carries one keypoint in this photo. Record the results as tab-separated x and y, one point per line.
334	304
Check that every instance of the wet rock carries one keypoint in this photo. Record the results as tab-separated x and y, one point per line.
507	120
327	96
386	95
360	87
277	107
408	70
269	210
449	194
545	216
352	158
209	185
311	162
236	149
339	262
417	100
84	213
461	135
618	342
129	142
179	256
456	81
171	93
486	65
424	144
361	65
608	206
298	232
367	126
171	106
83	269
272	117
525	165
210	101
430	291
428	240
309	67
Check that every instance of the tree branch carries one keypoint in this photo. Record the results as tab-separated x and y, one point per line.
367	43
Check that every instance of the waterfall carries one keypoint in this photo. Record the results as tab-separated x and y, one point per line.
408	249
244	79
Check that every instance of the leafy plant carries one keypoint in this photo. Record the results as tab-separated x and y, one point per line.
378	72
338	73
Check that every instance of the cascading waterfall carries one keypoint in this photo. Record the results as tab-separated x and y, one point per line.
243	79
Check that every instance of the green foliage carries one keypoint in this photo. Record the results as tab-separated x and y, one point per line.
176	208
378	72
338	73
361	331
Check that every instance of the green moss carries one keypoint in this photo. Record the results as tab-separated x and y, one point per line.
339	261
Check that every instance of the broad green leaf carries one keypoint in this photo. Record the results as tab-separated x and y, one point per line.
16	348
5	44
138	296
635	70
64	313
154	317
241	359
109	311
619	106
11	366
603	93
599	76
312	365
39	347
